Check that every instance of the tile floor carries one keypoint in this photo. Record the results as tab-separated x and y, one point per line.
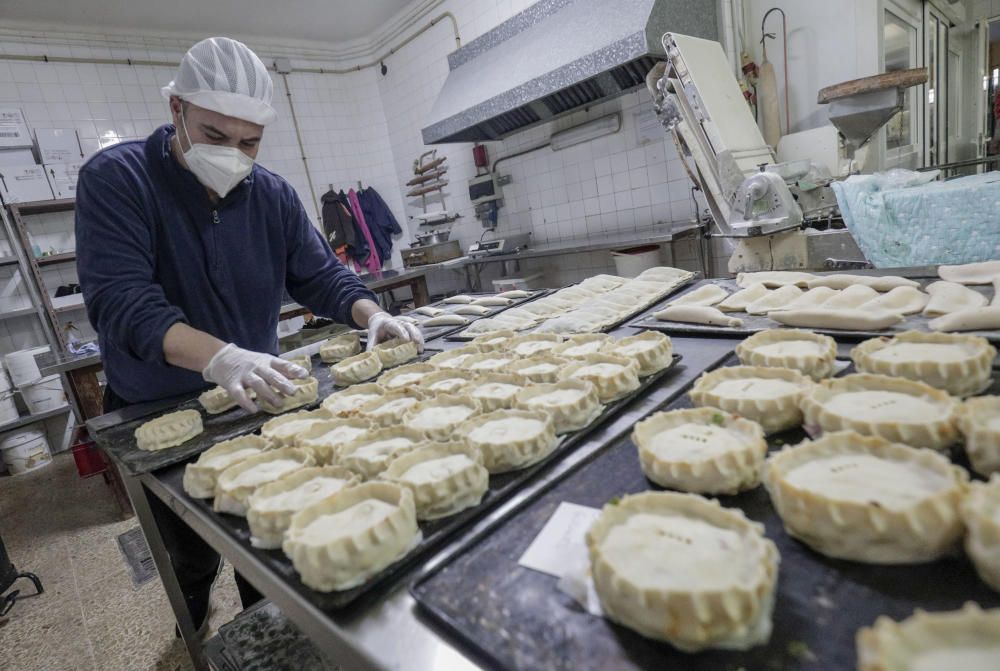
90	617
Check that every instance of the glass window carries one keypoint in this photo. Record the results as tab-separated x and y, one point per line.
899	42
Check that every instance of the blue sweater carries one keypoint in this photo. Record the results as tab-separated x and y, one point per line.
152	251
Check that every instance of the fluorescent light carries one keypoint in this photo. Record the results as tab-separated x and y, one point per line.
585	132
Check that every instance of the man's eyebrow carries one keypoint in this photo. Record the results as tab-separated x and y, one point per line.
209	128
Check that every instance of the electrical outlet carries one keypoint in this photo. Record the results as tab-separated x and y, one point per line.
503	180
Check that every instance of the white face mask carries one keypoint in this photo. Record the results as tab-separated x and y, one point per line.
219	168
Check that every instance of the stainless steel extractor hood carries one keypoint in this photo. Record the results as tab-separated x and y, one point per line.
556	57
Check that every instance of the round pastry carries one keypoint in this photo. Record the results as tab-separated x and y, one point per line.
270	507
809	353
612	376
357	368
681	568
453	358
439	415
962	640
865	499
445	478
395	352
701	450
959	364
370	454
580	346
979	422
169	430
768	396
981	514
304	361
493	340
897	409
539	368
389	409
324	439
495	361
534	343
572	404
347	402
510	439
234	485
200	476
345	539
447	381
306	392
406	376
283	431
494	391
340	347
652	350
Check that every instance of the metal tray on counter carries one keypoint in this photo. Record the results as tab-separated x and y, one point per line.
754	323
516	618
439	331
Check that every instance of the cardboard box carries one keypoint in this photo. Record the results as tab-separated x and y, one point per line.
62	178
14	131
15	157
21	184
58	145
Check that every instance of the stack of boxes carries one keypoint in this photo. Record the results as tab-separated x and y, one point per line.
39	167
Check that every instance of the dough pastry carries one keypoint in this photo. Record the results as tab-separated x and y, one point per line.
961	365
429	311
200	476
979	421
774	300
812	298
580	346
599	283
438	416
681	568
493	341
949	297
534	343
284	430
981	515
514	294
739	301
492	301
510	439
612	376
306	392
971	319
491	325
389	409
665	275
903	300
357	368
372	453
572	404
344	540
406	376
539	368
971	273
168	430
445	478
270	507
340	347
701	450
453	358
697	314
474	310
446	319
842	319
324	439
878	283
460	299
769	396
807	352
894	408
217	400
495	391
963	640
234	485
347	402
495	361
408	319
395	352
652	350
304	361
850	298
774	278
706	294
448	381
996	293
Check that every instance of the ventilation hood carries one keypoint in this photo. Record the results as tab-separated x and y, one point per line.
556	57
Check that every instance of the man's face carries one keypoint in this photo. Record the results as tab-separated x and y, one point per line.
208	127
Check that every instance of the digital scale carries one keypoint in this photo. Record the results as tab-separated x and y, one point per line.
506	245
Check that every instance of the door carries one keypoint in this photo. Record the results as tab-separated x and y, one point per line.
936	93
901	29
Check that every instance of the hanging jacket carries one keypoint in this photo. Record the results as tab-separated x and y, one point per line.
358	250
372	263
380	221
338	223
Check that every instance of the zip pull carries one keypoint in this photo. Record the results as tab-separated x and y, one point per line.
215	217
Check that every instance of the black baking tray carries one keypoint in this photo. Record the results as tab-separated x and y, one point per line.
435	532
754	323
441	331
512	617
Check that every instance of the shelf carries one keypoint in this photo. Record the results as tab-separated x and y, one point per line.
45	206
8	260
13	314
69	308
25	420
55	258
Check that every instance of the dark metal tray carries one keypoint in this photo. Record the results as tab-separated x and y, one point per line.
440	331
754	323
515	618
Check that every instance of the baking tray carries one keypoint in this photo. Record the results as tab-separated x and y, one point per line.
754	323
435	532
515	618
439	331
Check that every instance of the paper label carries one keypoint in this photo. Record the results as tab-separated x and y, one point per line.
561	546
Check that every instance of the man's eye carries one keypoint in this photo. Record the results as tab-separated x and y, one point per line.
249	144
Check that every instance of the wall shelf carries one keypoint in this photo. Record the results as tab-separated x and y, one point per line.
55	258
22	312
8	260
25	420
46	206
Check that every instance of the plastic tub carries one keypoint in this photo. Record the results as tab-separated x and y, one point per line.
25	450
632	261
22	367
44	395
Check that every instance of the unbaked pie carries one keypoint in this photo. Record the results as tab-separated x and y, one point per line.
168	430
572	404
234	485
445	478
774	300
774	278
447	381
701	450
850	298
440	415
306	392
390	408
370	454
200	475
652	350
492	301
406	376
395	352
897	409
809	353
959	364
340	347
270	507
510	439
534	343
304	361
355	369
866	499
979	422
458	299
446	319
681	568
429	311
473	310
981	514
612	376
706	294
580	346
493	340
768	396
453	358
949	297
494	391
217	400
324	439
495	361
342	541
284	430
347	402
539	368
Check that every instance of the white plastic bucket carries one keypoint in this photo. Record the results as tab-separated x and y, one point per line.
25	451
44	395
8	408
631	262
22	367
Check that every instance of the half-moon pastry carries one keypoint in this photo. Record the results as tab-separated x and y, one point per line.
514	294
572	404
983	272
697	314
979	421
370	454
347	402
981	514
459	299
652	350
495	391
200	475
340	347
429	311
445	478
968	319
739	301
493	340
807	352
439	415
284	430
812	298
612	376
389	409
851	297
539	368
768	396
395	352
581	346
324	439
706	294
534	343
453	358
216	400
406	376
306	392
510	439
843	319
472	309
234	485
446	320
355	369
876	282
169	430
774	300
448	381
949	297
492	301
904	300
774	278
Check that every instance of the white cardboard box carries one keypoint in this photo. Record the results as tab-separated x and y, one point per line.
13	128
21	184
58	145
62	178
15	157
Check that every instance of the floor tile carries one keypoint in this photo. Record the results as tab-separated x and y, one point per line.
50	639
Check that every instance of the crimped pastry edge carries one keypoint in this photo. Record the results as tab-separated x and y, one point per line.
773	414
442	498
368	388
340	347
650	361
816	367
199	480
356	368
234	500
608	390
566	418
306	392
513	454
442	432
169	430
980	512
368	468
982	443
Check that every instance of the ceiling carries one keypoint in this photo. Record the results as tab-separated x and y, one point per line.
332	21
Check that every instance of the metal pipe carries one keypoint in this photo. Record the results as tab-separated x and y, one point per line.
302	149
518	153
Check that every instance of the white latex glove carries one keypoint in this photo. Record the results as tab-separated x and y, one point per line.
237	370
382	326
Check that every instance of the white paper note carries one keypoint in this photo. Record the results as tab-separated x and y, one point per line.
561	546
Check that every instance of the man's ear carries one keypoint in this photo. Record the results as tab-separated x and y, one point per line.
175	110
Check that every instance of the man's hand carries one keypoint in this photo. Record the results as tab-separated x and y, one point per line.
238	370
382	326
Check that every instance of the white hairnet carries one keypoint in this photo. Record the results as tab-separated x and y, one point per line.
225	76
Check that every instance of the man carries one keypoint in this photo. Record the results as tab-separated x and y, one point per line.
185	248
